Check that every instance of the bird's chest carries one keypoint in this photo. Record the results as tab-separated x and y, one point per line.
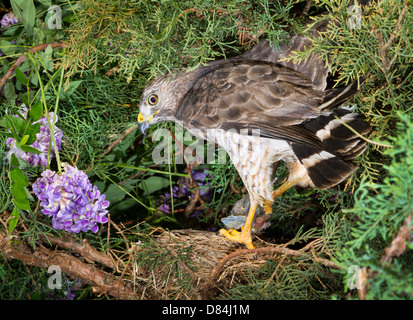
253	158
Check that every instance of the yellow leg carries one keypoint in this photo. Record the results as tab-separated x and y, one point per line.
245	235
287	185
268	206
276	193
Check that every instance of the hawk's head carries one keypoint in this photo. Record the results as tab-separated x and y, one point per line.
161	98
154	98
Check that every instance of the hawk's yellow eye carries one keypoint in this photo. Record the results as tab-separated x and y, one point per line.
153	99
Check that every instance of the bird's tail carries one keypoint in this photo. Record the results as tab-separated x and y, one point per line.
330	165
333	98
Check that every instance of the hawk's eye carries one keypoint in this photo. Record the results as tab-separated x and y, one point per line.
153	99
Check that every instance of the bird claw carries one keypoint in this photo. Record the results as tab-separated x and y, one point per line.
236	236
233	232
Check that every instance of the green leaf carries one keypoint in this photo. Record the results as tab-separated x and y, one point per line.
21	77
9	92
36	111
29	16
34	80
28	149
18	177
70	88
45	2
14	161
24	98
153	184
126	205
22	203
24	139
20	196
18	191
7	47
14	218
116	193
47	61
8	134
15	125
18	162
17	5
32	131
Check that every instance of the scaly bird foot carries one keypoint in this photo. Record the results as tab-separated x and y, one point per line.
268	206
241	237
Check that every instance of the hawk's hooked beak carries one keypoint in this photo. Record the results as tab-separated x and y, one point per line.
144	124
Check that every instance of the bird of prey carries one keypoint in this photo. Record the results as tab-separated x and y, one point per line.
299	121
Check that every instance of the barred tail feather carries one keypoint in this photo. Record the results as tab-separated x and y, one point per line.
324	169
330	165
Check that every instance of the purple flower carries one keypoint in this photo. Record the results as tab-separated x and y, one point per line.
42	143
8	19
165	208
200	177
73	203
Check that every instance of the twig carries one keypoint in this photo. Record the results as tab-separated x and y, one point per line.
274	274
23	57
306	8
280	250
121	233
361	136
396	248
192	202
398	245
103	282
233	189
127	131
384	46
108	236
193	183
397	28
84	249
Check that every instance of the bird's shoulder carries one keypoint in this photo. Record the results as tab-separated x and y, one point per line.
249	91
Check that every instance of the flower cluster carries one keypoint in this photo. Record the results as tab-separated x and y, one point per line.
8	19
42	143
201	178
73	203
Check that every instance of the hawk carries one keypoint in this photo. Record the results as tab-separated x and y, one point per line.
299	121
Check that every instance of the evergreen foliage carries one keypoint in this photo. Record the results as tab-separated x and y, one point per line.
109	52
382	209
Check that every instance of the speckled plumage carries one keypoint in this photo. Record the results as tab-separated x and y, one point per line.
285	105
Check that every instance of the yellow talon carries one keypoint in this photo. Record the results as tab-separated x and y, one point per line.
233	232
245	235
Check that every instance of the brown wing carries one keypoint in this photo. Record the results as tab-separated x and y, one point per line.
252	95
313	67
